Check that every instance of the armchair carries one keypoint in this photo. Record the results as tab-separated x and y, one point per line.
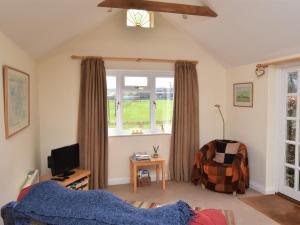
227	178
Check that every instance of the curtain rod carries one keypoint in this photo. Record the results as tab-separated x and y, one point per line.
132	59
278	62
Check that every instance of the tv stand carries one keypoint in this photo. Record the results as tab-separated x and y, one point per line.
66	174
79	180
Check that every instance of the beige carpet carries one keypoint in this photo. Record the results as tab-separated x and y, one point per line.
276	207
229	215
244	214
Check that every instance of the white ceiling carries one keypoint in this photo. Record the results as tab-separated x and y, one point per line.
41	25
245	31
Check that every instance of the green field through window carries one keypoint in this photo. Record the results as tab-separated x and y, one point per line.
136	114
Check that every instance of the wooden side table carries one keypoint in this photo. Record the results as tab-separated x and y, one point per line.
157	162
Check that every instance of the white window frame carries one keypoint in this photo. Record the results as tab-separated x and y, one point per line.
282	187
120	88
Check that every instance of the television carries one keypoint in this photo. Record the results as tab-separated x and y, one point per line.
63	160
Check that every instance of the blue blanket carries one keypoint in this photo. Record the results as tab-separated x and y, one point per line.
50	203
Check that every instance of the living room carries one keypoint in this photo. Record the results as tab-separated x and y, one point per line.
42	36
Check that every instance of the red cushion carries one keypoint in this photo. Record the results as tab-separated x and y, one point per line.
208	217
23	193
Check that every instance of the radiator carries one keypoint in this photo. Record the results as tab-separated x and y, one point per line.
32	178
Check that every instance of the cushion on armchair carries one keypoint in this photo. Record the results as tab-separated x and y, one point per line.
226	151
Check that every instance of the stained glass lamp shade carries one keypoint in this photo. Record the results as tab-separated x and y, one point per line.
140	18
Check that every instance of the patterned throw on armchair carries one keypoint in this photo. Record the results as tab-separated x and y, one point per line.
222	166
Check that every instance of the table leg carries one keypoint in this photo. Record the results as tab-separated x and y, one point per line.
163	171
131	173
134	177
157	173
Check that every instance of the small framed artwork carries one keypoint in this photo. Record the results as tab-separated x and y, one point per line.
243	94
16	90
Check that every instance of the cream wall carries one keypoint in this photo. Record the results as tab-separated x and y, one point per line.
20	153
249	125
59	85
120	148
260	127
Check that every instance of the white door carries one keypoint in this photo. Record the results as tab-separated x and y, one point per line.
289	183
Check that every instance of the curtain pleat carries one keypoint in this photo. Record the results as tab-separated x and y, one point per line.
185	129
92	122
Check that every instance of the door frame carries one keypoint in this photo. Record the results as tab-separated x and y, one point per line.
282	127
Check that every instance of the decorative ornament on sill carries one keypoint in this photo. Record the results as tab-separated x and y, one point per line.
162	128
260	70
155	149
137	131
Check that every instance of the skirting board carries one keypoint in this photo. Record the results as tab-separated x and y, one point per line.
118	181
255	186
262	189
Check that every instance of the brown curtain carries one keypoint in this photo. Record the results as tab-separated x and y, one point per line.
92	122
185	131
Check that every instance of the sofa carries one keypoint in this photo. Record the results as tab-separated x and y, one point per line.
50	203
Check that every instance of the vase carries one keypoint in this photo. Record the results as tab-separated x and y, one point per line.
155	155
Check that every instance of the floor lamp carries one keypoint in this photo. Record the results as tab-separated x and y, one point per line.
219	108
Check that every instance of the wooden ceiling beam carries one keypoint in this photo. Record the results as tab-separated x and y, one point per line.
160	7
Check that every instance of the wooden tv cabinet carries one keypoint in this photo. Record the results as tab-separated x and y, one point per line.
77	181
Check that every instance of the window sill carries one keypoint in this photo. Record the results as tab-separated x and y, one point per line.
125	134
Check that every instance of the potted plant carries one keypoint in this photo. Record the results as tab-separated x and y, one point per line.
155	149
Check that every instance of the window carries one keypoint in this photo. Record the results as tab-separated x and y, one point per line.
164	93
139	100
140	18
111	101
139	82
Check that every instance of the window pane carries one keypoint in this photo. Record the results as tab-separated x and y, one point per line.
290	154
291	130
164	91
136	110
111	101
292	82
136	81
289	177
139	18
291	106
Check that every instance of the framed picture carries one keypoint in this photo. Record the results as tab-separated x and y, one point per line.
243	94
16	90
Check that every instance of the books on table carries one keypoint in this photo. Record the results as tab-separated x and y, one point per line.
141	156
143	173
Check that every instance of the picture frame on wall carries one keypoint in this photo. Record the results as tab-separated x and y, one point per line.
16	88
243	94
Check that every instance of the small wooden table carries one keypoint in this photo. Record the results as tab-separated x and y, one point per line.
157	162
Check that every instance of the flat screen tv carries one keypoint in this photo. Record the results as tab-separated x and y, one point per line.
63	160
